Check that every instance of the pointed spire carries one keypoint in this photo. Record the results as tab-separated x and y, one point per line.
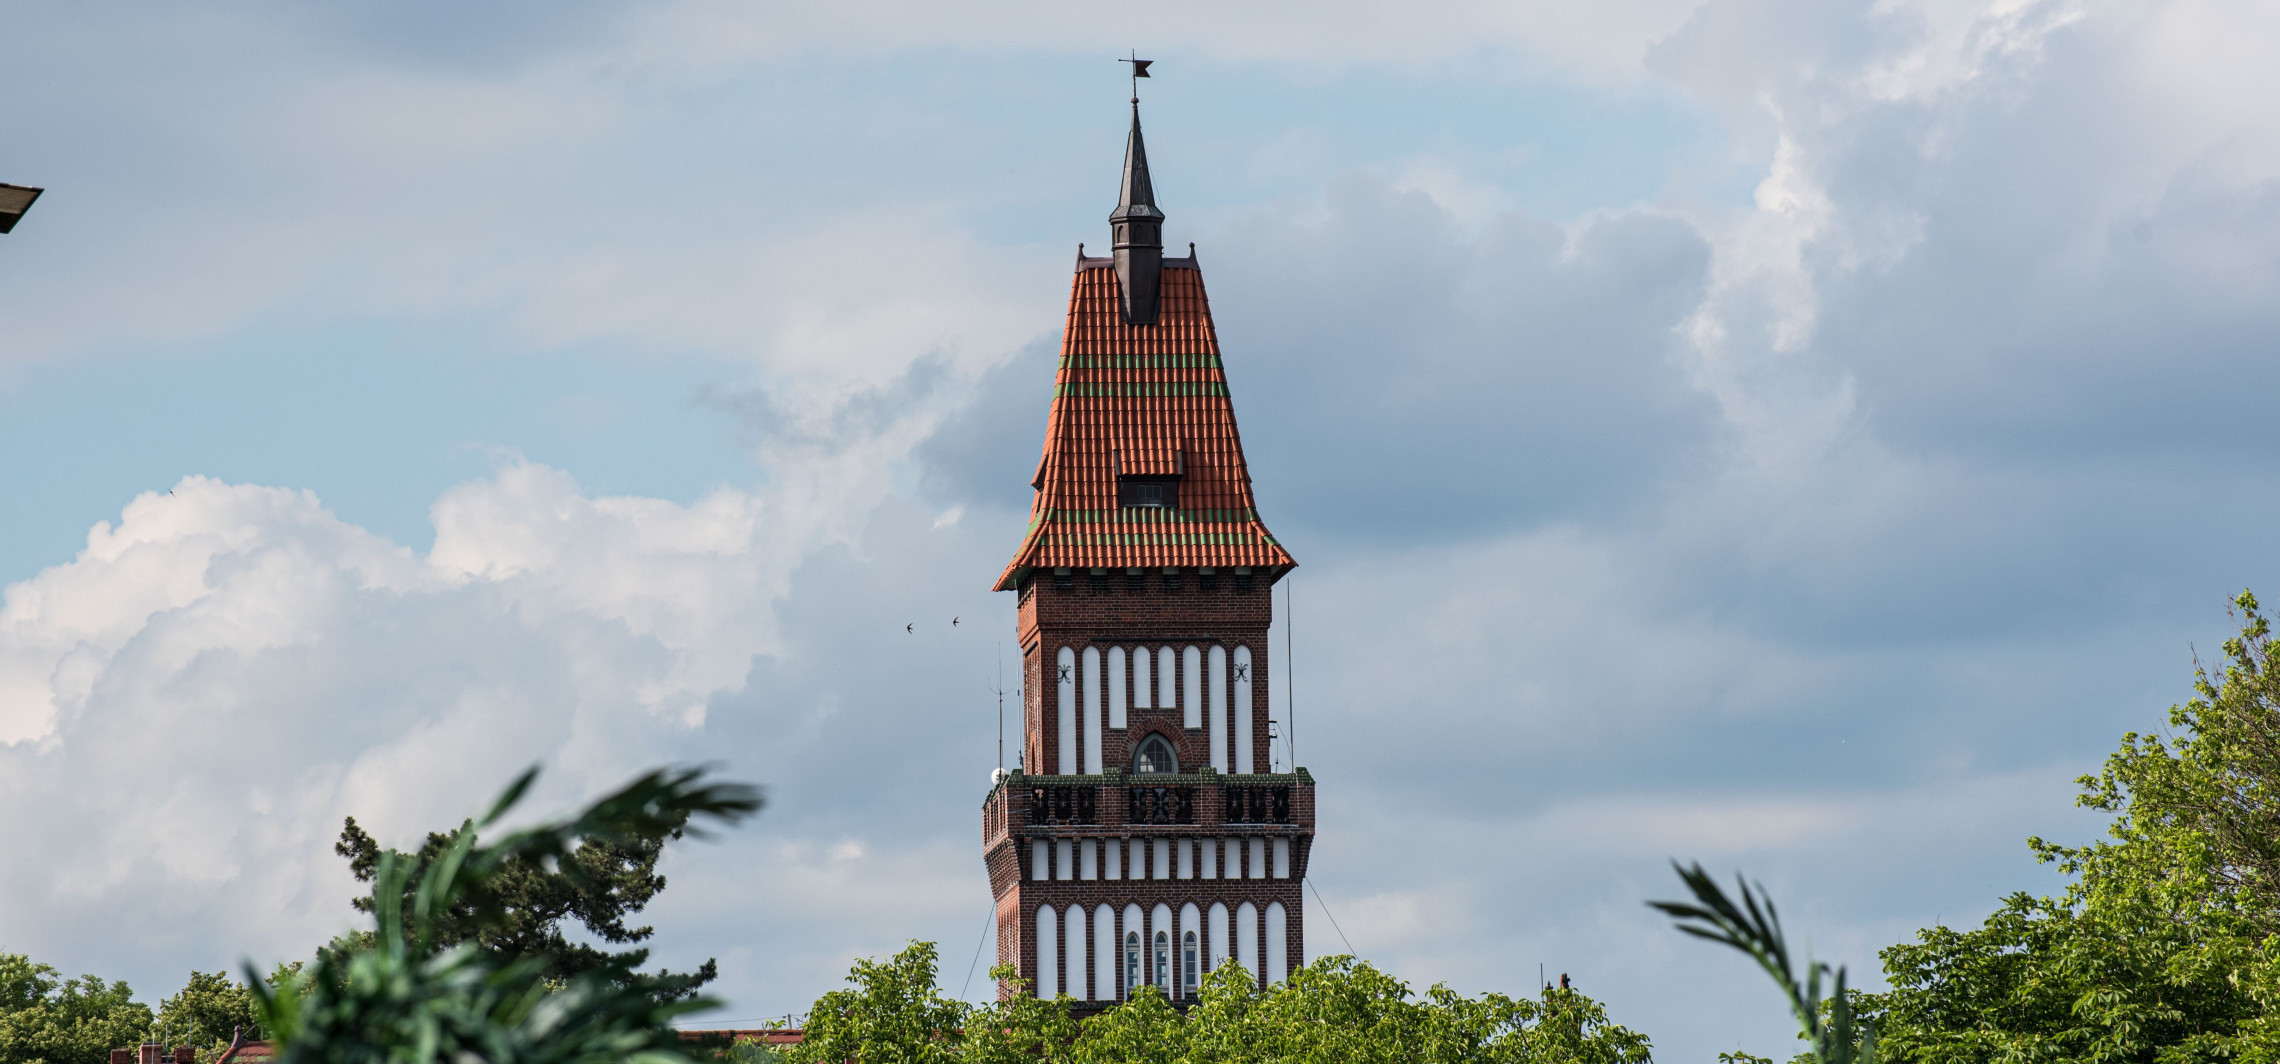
1138	232
1137	191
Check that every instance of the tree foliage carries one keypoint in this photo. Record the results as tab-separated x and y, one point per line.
46	1019
890	1013
409	996
1336	1010
2162	947
208	1012
521	910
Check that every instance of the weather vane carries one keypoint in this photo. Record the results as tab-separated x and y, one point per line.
1139	70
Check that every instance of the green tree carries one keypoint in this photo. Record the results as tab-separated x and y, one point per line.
212	1008
1144	1029
1333	1011
207	1012
1341	1009
2163	945
45	1019
406	996
891	1013
1019	1027
524	906
751	1051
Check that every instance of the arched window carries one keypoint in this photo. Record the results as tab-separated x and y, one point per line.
1131	961
1188	965
1048	953
1278	952
1104	954
1155	755
1163	959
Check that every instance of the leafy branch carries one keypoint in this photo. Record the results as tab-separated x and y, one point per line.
1754	928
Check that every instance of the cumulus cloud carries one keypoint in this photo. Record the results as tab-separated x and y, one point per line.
198	698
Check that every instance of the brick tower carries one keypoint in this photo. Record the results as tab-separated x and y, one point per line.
1148	838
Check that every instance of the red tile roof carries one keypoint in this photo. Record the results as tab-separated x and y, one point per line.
1147	400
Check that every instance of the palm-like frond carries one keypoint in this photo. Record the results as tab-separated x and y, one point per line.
1754	927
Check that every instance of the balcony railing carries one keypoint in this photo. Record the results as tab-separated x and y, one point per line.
1064	805
1160	805
1256	805
1086	801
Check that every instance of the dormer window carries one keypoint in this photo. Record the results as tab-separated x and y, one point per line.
1154	757
1148	493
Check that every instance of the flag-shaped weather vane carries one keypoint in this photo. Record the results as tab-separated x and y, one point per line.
1139	70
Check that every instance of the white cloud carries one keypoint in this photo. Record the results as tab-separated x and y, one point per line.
197	699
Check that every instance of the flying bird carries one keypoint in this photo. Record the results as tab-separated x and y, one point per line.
910	629
953	622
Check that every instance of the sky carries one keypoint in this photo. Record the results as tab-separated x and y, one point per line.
1800	437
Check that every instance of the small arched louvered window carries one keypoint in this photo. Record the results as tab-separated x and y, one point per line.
1163	959
1154	756
1188	962
1131	961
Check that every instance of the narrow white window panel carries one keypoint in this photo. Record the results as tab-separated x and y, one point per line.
1104	956
1282	858
1116	716
1278	952
1066	710
1256	865
1138	869
1160	923
1135	932
1242	709
1113	849
1088	859
1191	687
1048	955
1191	923
1040	860
1208	866
1215	708
1187	859
1247	938
1076	940
1090	700
1167	676
1064	859
1218	922
1160	866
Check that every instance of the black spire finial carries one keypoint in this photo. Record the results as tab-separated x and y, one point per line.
1137	226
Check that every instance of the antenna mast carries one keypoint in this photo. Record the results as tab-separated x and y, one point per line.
1290	669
